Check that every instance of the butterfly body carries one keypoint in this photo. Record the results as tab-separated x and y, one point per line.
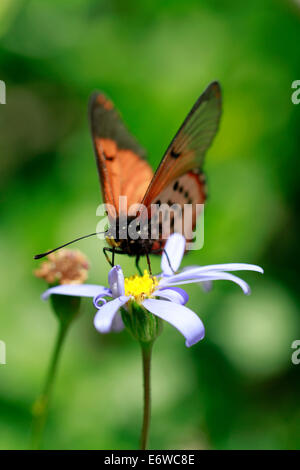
118	236
178	182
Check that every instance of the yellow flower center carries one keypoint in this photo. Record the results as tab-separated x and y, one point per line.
140	287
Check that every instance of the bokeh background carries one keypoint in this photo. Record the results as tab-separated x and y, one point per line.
238	388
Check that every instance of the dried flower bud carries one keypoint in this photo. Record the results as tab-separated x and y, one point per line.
64	267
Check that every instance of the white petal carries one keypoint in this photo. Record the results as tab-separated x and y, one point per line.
117	324
174	247
206	285
194	271
182	318
174	294
77	290
105	317
116	281
213	276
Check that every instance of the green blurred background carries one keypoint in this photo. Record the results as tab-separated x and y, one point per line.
237	389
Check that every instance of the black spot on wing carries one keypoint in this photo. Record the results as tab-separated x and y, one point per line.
175	154
108	158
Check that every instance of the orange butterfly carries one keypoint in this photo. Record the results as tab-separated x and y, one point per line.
123	171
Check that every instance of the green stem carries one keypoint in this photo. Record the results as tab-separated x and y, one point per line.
40	407
146	355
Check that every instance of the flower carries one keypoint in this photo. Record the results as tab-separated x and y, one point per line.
156	295
136	290
64	267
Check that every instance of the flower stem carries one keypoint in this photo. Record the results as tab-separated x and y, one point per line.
40	407
146	355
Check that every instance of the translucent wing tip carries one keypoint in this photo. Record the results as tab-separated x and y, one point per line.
215	87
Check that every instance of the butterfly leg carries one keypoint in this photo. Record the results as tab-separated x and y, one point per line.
169	262
137	259
110	250
114	252
113	257
167	256
149	264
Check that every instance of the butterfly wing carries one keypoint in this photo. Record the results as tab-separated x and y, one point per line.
177	209
122	169
187	150
179	179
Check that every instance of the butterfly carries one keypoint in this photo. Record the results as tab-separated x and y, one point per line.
123	171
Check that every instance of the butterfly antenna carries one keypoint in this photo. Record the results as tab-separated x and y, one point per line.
41	255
